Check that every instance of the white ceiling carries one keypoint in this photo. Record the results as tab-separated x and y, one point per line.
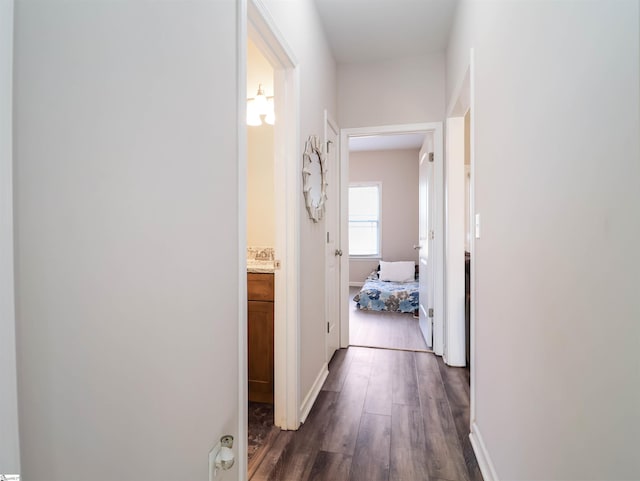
376	30
386	142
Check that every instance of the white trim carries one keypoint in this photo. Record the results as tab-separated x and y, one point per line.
9	441
312	395
330	284
436	128
438	301
356	284
454	184
344	240
487	468
265	34
241	106
472	238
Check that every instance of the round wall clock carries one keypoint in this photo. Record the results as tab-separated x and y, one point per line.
314	176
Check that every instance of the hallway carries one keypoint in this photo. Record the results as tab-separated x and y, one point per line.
381	415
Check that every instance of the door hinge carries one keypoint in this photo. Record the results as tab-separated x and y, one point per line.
328	327
329	142
432	235
430	156
430	312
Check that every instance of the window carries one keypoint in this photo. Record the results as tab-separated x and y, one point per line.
364	220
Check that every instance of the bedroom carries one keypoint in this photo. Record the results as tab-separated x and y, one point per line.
384	228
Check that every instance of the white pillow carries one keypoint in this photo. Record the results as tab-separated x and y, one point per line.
403	271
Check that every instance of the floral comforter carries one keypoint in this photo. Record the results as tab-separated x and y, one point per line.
377	295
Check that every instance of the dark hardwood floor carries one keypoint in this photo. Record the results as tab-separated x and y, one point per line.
389	330
381	415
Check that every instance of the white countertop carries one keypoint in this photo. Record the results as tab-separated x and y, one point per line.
260	266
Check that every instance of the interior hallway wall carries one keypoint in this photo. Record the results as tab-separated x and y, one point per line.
399	91
126	167
556	125
9	444
301	28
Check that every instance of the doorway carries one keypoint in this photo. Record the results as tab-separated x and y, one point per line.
369	263
466	231
260	250
285	185
460	229
384	207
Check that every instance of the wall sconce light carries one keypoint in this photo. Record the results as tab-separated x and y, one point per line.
260	106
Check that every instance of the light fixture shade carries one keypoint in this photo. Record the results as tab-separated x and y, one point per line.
261	105
253	118
270	118
271	114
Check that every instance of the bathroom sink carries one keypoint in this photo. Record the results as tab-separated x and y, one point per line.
260	266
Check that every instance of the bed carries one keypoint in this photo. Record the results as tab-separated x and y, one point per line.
378	295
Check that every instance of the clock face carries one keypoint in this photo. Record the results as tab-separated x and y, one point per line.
315	180
314	177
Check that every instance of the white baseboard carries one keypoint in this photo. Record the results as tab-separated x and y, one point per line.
311	396
482	455
356	284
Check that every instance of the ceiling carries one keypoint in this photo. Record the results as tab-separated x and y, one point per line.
376	30
386	142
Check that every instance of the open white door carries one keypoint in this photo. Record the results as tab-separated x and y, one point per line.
333	253
426	245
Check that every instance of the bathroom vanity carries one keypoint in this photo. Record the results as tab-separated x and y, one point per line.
260	317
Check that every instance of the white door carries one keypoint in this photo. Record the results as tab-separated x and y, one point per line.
426	244
333	252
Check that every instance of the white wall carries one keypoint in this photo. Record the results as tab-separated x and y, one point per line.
127	304
556	125
397	170
9	445
300	26
261	220
401	91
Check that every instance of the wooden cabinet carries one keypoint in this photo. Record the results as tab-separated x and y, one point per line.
260	336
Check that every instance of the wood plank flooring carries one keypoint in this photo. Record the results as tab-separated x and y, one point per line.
390	330
381	415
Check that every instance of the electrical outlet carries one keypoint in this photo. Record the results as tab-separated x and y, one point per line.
221	457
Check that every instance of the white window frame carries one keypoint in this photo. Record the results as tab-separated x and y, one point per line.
379	186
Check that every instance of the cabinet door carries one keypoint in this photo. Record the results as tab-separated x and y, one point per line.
260	287
260	337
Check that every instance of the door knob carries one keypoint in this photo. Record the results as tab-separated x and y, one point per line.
338	252
416	247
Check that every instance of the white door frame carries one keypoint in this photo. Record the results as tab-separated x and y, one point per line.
255	21
454	185
330	123
462	100
345	134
